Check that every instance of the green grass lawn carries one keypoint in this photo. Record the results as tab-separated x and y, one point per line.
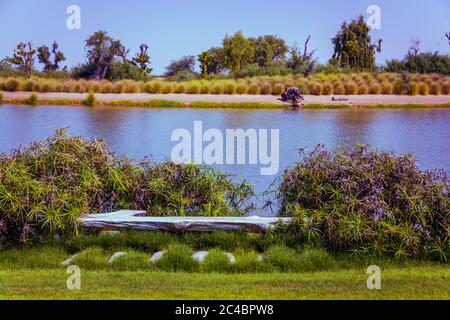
36	273
405	283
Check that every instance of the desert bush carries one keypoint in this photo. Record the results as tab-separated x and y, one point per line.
242	88
205	88
131	87
446	87
180	88
167	88
375	88
266	88
119	87
315	88
351	87
424	88
156	87
328	89
193	88
339	88
108	88
435	88
398	87
254	89
386	87
230	88
90	100
28	85
368	202
277	89
363	89
413	88
12	85
217	88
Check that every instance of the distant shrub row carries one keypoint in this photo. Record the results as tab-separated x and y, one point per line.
317	84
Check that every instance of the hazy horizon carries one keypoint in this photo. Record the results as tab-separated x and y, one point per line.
177	28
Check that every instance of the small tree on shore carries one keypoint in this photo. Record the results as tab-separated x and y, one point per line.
185	64
23	58
101	51
142	59
238	51
44	56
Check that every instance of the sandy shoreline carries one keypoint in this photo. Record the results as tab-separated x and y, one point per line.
309	99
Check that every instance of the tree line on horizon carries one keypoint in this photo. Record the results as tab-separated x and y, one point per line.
238	56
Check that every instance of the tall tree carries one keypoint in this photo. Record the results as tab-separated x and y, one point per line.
238	51
301	62
101	50
211	61
187	64
23	58
268	49
142	59
353	47
44	56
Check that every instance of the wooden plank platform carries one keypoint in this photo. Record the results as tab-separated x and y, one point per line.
132	219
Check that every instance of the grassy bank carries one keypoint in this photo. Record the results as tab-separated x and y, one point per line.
34	99
317	84
36	273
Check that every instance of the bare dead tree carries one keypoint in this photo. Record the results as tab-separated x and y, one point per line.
415	46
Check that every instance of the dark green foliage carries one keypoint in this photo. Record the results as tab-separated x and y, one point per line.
368	202
238	51
90	99
427	62
142	60
47	185
268	49
23	58
44	56
216	261
353	48
177	258
187	63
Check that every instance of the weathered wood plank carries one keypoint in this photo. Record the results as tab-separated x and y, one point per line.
131	219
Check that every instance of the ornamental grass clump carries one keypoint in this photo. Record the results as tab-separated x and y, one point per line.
368	202
47	185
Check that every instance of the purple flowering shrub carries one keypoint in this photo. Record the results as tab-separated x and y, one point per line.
292	95
368	202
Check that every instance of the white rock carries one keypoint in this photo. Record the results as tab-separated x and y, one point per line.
200	256
156	256
67	262
230	257
260	258
115	256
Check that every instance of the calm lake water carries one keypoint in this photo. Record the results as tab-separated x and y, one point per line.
138	132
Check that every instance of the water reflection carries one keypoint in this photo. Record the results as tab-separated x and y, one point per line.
138	132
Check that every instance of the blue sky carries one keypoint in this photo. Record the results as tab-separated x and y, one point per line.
174	28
